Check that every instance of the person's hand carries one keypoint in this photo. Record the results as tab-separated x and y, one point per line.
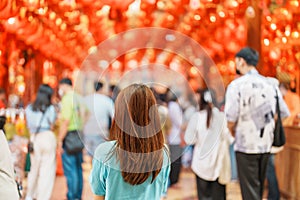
59	147
182	143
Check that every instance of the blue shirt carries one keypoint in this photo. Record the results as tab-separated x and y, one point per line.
106	178
33	119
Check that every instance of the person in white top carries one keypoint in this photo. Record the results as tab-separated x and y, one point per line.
8	186
250	109
206	128
101	109
175	136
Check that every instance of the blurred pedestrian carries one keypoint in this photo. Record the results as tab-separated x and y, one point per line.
135	163
203	127
113	91
250	108
2	98
293	102
101	110
40	118
72	118
175	137
273	188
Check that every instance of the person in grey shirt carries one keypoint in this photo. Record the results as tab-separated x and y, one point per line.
101	110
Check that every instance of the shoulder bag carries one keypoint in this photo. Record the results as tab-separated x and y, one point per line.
279	135
72	143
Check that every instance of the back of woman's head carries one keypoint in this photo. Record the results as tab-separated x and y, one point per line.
136	127
43	98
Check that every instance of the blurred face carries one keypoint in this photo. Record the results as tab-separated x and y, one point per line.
240	66
283	90
61	90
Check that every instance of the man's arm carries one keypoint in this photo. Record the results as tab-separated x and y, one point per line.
232	102
231	127
63	129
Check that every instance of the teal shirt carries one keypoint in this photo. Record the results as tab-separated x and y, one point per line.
106	178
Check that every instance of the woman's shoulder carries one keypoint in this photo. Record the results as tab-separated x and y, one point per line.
216	111
51	108
29	109
104	149
29	106
199	114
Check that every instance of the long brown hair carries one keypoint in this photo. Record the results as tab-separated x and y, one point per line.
139	139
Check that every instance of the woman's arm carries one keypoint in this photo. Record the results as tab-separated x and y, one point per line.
96	197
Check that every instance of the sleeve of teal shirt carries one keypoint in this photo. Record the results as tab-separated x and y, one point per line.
166	168
66	108
97	178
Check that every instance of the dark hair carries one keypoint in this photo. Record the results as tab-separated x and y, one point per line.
114	89
136	128
170	95
98	85
2	122
66	81
205	105
43	98
249	55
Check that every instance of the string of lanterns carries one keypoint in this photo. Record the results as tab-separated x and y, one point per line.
66	30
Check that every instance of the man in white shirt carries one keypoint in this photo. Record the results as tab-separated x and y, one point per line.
250	109
101	109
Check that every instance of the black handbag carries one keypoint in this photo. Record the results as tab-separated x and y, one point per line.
72	142
279	135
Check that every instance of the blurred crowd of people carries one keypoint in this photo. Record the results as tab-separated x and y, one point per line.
196	134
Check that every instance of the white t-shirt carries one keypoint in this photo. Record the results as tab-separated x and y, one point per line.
176	118
251	102
206	163
101	108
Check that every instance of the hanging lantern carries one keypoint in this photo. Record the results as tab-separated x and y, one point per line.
10	10
250	12
275	54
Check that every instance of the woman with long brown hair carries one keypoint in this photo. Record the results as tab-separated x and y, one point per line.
135	163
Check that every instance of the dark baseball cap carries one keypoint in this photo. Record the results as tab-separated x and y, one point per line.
66	81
